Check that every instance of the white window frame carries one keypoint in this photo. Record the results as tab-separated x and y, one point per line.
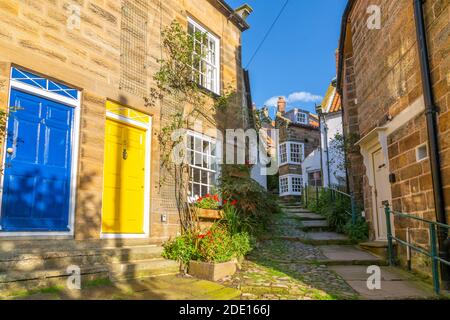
300	114
212	158
289	157
283	152
216	87
290	178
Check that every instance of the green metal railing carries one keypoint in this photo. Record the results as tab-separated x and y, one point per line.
431	252
313	194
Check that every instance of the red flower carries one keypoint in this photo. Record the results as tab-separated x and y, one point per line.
201	236
225	201
208	195
234	202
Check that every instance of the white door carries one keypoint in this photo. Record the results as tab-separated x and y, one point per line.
382	192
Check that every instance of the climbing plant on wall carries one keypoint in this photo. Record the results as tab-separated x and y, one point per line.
182	102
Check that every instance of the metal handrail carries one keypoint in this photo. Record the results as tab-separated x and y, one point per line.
333	192
432	253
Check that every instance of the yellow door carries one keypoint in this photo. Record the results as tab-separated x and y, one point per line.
124	179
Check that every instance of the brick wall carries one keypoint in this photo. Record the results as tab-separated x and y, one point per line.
35	35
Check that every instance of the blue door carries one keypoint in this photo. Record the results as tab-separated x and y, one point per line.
36	188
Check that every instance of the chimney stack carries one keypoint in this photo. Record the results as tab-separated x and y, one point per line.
281	105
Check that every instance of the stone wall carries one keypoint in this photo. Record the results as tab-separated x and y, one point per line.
37	35
381	80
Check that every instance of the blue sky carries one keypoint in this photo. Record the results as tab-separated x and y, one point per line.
298	57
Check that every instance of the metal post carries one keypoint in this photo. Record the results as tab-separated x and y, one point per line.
353	204
317	196
389	235
434	261
306	196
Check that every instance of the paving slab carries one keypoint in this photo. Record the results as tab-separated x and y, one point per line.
348	253
395	284
159	288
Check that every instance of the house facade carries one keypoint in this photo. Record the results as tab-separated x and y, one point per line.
299	136
392	118
81	157
331	134
325	166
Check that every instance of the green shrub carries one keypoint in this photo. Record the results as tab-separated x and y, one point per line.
182	249
242	244
254	203
357	232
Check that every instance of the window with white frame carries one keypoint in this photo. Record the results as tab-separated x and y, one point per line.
283	153
302	118
201	152
291	153
291	185
297	184
207	67
284	185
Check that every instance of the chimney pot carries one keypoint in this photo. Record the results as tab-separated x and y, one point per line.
281	105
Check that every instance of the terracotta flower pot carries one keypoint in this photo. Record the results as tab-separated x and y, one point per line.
212	271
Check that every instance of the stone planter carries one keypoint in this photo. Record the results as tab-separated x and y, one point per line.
209	214
212	271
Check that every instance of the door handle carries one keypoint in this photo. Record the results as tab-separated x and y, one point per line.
10	151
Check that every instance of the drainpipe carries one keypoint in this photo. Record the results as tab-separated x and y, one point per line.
327	151
433	140
321	149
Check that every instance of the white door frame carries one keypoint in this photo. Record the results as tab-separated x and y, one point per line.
147	176
76	104
375	141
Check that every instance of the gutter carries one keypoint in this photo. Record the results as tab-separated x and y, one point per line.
241	23
345	17
431	113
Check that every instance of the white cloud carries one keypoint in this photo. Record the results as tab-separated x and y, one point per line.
303	97
295	97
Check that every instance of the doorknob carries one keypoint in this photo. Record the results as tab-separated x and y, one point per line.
10	150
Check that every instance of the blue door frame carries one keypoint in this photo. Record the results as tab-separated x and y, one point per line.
37	174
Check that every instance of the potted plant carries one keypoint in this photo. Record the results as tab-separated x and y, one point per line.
208	207
219	253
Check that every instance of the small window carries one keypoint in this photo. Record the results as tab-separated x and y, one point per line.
315	179
202	161
291	185
296	153
206	70
297	184
283	154
284	185
422	153
302	118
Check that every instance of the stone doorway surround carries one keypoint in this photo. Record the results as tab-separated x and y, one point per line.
378	139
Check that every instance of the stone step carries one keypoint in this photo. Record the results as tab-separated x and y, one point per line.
144	269
43	260
306	216
15	283
349	255
315	225
50	245
378	248
327	238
